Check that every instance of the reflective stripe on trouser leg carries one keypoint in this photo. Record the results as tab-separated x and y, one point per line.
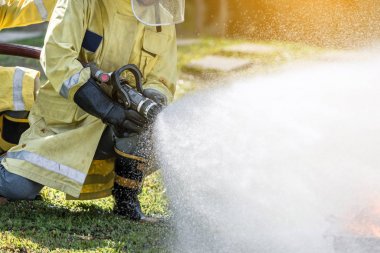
128	183
128	174
127	186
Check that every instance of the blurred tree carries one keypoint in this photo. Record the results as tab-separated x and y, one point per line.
211	16
200	15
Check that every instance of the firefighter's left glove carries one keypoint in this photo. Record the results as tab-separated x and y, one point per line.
94	101
156	96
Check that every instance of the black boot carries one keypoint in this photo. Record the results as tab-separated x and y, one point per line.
128	184
127	203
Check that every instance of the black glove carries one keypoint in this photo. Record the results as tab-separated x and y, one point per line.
156	96
134	122
94	101
140	146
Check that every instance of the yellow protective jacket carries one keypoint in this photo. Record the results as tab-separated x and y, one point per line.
17	88
59	147
17	84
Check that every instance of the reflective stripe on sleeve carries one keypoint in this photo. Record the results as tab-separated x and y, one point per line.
41	9
18	101
68	84
48	165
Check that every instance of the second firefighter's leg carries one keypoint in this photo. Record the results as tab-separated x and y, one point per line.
128	183
12	125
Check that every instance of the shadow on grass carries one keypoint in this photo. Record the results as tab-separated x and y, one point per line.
41	226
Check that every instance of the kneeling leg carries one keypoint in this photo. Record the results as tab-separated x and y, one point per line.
15	187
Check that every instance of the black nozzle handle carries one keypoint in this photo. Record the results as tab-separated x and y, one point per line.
136	74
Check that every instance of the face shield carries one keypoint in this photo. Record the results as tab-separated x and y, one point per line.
159	12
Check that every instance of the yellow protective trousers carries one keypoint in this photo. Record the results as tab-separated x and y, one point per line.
17	90
12	125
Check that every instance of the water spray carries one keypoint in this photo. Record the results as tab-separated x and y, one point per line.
292	167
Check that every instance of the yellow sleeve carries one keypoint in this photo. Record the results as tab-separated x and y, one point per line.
25	12
17	89
163	76
63	43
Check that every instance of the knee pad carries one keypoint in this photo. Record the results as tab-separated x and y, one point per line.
12	125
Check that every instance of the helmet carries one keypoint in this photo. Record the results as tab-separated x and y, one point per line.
159	12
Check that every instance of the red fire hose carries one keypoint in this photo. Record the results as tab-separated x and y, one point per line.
20	50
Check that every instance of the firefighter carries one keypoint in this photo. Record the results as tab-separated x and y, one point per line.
70	116
18	85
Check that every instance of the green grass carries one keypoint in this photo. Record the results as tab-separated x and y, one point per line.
261	63
56	225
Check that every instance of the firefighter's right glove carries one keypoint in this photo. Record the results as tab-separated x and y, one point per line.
94	101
